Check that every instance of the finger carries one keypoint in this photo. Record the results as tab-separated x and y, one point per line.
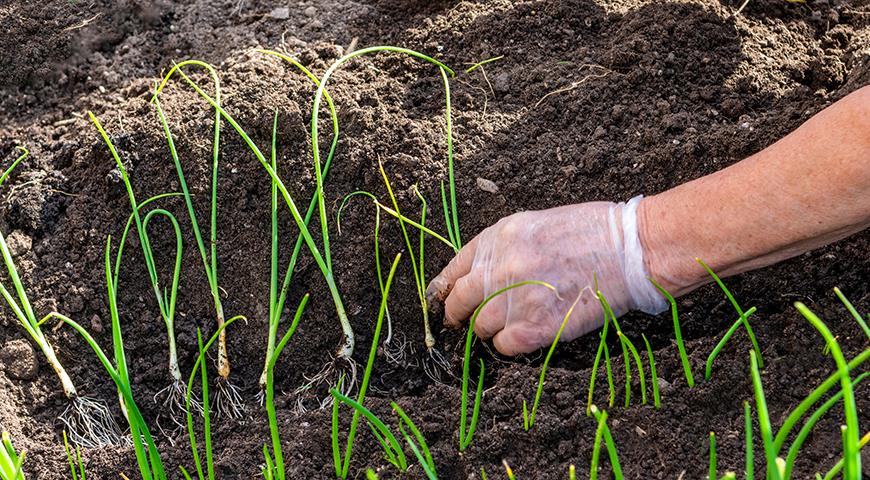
492	318
441	286
462	300
516	340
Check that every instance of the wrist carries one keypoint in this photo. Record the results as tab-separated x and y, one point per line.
667	249
643	295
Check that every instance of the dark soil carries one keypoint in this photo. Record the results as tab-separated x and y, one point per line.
664	92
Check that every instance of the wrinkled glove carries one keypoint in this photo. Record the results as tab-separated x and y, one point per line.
563	246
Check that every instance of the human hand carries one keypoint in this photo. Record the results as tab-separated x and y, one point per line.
568	247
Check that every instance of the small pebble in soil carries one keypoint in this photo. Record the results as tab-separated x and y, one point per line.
19	359
664	385
617	113
96	324
280	13
502	82
487	185
599	132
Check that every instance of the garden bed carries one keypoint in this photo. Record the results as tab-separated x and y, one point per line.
648	95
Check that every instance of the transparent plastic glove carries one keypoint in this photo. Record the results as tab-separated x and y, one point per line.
563	246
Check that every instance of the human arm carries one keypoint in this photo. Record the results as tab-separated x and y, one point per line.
808	189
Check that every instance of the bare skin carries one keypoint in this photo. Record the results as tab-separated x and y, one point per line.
807	190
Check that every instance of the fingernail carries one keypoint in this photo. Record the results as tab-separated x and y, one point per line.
435	295
450	322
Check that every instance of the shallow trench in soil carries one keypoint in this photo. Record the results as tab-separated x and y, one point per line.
649	95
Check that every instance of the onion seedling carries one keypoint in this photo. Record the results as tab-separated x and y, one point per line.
392	449
342	465
529	417
88	420
851	435
74	460
852	311
466	434
10	460
480	65
278	304
175	392
708	370
395	353
750	454
24	153
637	362
451	217
602	348
316	107
627	346
608	440
607	319
438	362
206	413
712	474
596	445
147	455
681	347
654	378
276	299
451	214
740	312
228	400
770	453
165	302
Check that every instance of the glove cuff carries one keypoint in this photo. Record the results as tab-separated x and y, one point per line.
644	295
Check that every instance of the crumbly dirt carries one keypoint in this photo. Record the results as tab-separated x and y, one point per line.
650	94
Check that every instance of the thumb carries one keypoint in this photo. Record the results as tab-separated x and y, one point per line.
441	286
